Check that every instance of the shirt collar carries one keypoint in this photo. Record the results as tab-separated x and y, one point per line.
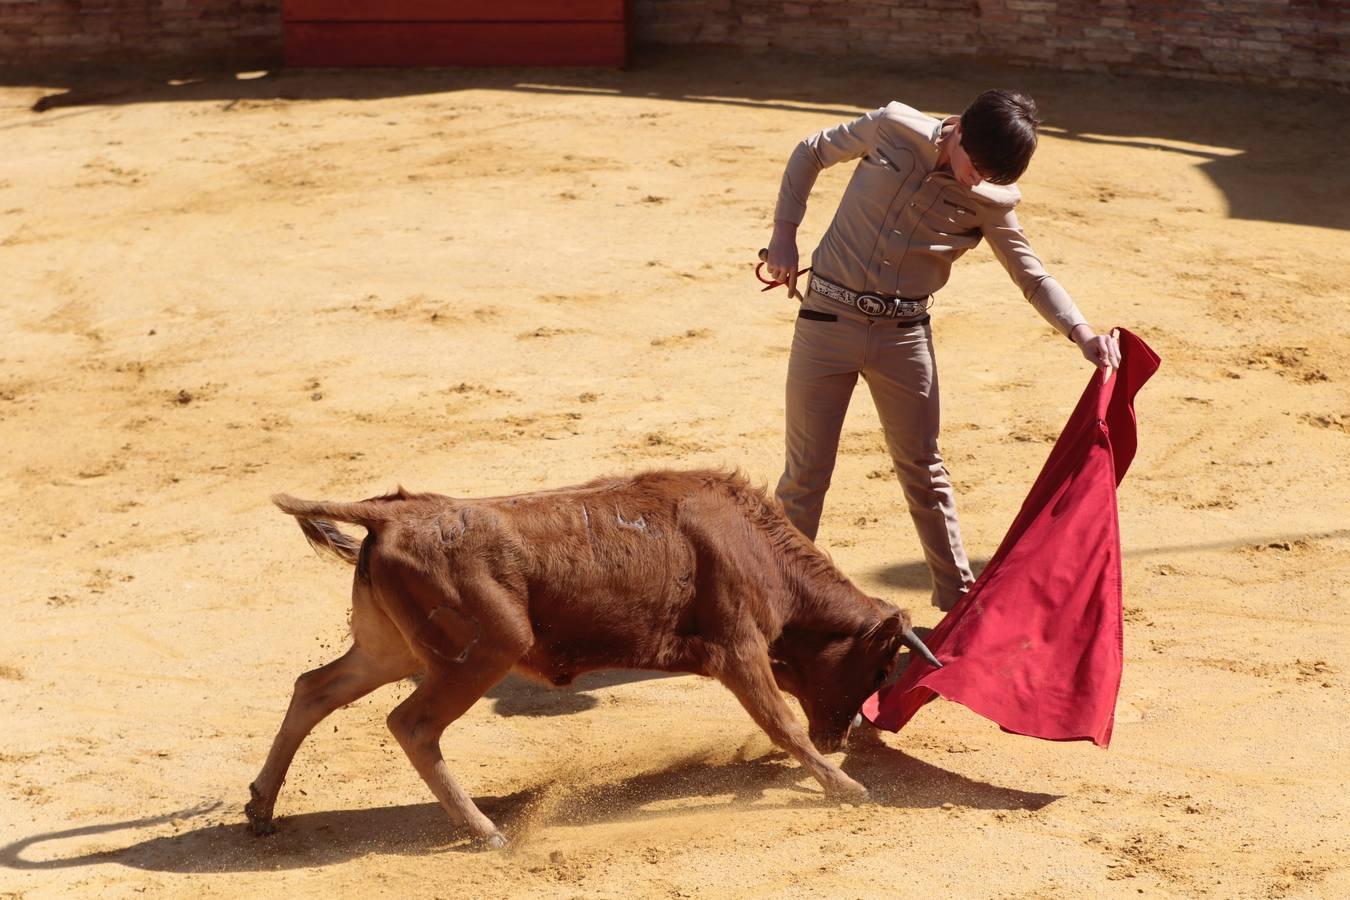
936	137
938	142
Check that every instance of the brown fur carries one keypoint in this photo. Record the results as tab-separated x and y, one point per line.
672	571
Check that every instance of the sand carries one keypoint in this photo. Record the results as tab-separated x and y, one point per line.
333	283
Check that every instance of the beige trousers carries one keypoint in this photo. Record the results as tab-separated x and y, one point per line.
900	370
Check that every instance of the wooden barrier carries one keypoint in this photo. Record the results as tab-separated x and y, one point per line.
455	32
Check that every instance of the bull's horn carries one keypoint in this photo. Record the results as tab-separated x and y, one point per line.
918	647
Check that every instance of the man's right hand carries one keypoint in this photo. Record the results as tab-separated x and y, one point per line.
782	262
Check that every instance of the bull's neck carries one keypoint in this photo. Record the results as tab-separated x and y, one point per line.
822	590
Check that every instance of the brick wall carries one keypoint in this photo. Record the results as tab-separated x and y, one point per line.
1280	42
73	33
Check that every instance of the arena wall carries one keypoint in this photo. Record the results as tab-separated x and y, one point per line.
66	34
1275	42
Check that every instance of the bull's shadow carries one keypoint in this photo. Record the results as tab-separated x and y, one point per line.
224	844
516	695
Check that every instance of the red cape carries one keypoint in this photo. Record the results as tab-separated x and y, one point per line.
1036	644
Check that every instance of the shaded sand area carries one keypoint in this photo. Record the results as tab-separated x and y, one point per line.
330	283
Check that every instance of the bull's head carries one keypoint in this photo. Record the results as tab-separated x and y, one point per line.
833	674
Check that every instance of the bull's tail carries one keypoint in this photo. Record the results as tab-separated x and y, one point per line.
325	536
316	521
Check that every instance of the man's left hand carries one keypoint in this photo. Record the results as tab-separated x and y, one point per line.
1101	350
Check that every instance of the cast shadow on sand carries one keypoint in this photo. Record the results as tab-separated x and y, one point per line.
516	695
895	778
915	576
1266	150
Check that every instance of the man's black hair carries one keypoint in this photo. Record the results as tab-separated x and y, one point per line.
998	133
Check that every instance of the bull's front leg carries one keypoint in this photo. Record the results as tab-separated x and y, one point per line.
418	722
747	673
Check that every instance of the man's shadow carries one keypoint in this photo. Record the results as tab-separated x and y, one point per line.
915	575
225	844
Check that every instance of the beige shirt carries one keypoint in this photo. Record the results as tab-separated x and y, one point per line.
901	223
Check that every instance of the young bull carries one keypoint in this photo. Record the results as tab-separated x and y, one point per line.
670	571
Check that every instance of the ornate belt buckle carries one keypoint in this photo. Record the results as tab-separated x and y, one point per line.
871	305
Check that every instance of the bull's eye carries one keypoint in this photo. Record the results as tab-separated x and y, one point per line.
881	676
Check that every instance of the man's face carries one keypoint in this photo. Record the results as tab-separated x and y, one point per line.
963	170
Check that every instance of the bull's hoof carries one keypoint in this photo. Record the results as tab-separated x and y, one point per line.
262	827
494	841
259	813
848	791
859	796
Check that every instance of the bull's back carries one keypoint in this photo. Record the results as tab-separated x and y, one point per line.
629	572
617	539
608	553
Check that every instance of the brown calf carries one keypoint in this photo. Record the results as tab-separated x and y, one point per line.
670	571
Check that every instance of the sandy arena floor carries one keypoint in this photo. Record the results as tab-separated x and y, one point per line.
487	282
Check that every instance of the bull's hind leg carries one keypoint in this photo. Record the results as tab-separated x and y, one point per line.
444	695
747	673
378	656
317	693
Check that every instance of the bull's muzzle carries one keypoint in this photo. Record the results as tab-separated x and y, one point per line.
918	647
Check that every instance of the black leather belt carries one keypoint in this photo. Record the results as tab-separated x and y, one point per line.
878	305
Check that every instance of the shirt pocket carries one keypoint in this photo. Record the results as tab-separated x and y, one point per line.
877	183
898	160
954	215
884	168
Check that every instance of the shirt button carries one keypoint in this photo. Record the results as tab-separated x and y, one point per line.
913	204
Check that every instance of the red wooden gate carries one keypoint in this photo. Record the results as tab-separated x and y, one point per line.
455	32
